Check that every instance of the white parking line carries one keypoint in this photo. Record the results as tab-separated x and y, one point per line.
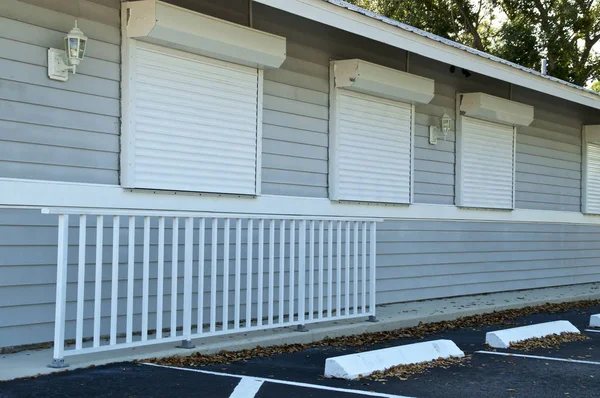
246	388
592	330
285	382
508	354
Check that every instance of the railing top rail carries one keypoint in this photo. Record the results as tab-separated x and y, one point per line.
184	214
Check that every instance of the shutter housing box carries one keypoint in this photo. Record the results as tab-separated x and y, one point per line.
365	77
495	109
175	27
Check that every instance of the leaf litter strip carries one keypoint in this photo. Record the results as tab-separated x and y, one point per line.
501	317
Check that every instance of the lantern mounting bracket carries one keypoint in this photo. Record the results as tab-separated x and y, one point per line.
58	69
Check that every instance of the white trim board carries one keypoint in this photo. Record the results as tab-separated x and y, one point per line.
38	194
350	21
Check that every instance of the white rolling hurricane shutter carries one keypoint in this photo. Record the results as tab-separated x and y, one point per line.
487	164
195	125
593	179
373	149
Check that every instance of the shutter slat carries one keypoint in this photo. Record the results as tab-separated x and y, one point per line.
196	124
373	149
593	179
487	164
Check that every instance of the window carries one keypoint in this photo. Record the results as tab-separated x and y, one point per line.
192	107
194	123
486	136
373	144
487	164
591	170
371	131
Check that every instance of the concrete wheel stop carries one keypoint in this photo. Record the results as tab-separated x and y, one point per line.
353	366
504	338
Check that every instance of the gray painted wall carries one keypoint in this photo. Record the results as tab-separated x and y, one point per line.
69	131
416	260
52	130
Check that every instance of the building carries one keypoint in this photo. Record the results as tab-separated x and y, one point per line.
487	174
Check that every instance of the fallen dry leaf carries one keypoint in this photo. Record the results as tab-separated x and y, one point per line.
422	330
403	372
550	341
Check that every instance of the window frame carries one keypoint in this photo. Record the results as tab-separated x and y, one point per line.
128	118
588	137
333	138
459	186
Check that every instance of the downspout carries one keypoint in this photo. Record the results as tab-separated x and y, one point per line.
250	19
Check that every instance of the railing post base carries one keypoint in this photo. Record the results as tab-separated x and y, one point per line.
58	364
301	329
372	319
186	344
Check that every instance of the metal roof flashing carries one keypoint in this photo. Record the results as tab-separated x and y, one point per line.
459	46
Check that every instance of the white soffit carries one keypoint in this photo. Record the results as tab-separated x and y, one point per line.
494	109
592	134
365	77
164	24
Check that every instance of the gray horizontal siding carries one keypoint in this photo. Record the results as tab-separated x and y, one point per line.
295	126
416	260
67	131
548	163
430	259
28	272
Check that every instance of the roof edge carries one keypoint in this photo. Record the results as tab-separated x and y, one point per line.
348	17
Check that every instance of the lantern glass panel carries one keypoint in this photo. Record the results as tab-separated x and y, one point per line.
73	47
82	44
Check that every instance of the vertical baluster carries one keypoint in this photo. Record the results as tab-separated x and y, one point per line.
302	273
226	245
80	283
364	268
174	275
281	270
329	268
213	276
355	280
114	294
311	275
130	275
61	290
372	259
250	227
146	278
271	269
292	292
161	277
188	274
347	274
320	295
98	289
261	244
238	273
201	237
338	271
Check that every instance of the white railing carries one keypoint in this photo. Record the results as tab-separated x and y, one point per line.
117	285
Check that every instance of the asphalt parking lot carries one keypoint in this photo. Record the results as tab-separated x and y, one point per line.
571	370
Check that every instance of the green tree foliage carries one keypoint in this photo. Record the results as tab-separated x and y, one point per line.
596	86
522	31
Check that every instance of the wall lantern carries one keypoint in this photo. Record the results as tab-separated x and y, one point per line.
60	62
444	127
